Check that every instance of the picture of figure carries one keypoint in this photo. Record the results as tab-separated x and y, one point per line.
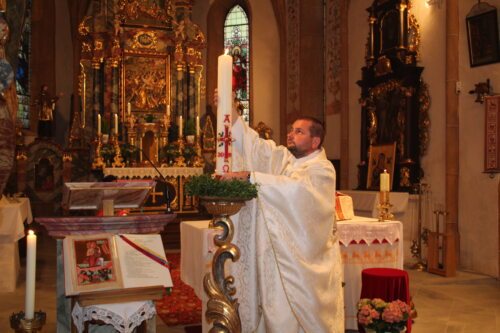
381	158
93	261
44	175
379	168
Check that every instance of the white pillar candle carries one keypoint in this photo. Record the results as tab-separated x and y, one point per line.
224	106
384	182
168	110
29	310
129	108
116	123
180	126
98	124
197	126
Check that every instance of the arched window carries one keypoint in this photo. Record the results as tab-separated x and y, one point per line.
237	43
23	72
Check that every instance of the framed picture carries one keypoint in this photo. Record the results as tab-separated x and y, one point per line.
91	263
381	158
482	36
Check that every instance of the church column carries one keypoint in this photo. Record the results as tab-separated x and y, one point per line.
452	138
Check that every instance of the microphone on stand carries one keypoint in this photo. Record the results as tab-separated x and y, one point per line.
166	192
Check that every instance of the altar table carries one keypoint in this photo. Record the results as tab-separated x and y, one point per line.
365	243
13	213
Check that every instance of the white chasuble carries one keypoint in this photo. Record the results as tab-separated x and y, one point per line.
289	275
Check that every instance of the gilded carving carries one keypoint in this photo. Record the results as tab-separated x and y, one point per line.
424	121
144	40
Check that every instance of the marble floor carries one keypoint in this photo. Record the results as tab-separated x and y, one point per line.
467	303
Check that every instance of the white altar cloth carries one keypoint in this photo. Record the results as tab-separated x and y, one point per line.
365	243
124	317
13	213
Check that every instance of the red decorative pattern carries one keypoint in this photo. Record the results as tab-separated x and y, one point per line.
181	307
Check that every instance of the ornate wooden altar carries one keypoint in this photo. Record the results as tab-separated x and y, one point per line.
394	98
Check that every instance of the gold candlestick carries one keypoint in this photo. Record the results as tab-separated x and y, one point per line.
118	160
98	162
180	160
21	325
384	207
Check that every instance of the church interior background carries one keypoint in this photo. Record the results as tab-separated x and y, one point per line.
129	84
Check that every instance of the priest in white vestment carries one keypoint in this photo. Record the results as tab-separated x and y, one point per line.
289	275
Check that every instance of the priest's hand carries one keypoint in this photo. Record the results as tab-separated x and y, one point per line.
241	175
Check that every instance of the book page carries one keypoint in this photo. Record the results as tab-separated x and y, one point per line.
142	261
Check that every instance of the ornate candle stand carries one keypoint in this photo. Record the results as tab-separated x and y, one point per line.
118	159
180	161
222	307
98	162
384	207
198	160
21	325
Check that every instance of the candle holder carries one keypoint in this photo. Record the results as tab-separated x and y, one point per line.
118	159
98	162
198	160
21	325
384	207
180	161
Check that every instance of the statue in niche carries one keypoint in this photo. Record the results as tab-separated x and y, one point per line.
46	105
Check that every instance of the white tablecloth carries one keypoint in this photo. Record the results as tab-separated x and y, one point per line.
13	213
365	243
124	317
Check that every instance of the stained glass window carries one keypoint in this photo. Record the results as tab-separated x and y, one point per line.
22	74
236	42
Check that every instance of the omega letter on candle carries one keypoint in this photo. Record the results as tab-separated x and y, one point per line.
224	106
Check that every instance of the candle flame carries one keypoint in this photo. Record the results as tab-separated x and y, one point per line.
226	51
31	232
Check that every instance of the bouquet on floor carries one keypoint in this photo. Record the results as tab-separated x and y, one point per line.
378	316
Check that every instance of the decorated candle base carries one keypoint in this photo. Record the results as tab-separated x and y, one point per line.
21	325
384	207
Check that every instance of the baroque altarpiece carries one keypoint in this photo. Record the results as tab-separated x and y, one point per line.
394	98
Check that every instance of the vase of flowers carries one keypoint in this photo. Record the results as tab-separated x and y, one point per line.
378	316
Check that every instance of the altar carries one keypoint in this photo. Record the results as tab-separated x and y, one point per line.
365	243
13	213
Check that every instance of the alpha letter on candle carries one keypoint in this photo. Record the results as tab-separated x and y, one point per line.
30	276
384	182
225	103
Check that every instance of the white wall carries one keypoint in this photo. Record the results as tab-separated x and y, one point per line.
478	193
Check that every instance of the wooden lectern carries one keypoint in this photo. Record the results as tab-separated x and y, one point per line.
90	196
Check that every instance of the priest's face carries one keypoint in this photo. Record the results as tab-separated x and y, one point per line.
299	140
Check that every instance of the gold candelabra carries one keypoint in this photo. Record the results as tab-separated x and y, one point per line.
22	325
118	159
384	207
98	162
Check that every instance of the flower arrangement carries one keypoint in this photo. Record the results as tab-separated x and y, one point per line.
207	186
383	317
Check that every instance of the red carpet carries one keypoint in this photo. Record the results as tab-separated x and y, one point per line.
181	307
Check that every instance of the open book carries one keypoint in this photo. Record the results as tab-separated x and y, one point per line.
107	261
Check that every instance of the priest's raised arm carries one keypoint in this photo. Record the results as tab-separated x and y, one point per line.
289	277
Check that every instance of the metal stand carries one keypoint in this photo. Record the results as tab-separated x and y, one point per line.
222	307
416	246
21	325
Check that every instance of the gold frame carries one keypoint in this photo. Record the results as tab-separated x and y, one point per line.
374	169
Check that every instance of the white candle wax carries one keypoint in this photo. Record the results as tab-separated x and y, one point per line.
98	124
384	182
129	108
197	126
180	126
30	276
116	123
224	106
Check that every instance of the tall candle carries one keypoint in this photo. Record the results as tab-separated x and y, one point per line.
98	124
197	126
30	275
180	126
129	108
115	116
384	182
168	110
224	106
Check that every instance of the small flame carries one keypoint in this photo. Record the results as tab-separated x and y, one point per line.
226	51
31	232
